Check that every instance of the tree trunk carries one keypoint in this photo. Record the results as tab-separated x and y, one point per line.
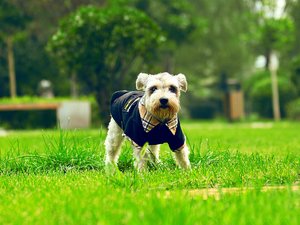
103	102
74	86
275	96
11	67
273	67
267	56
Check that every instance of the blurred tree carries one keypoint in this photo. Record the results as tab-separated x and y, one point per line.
176	19
205	39
224	44
29	50
258	91
294	9
275	35
47	13
101	45
12	21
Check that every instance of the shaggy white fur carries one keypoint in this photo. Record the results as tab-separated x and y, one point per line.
156	87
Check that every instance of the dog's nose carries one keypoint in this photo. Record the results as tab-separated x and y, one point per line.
163	101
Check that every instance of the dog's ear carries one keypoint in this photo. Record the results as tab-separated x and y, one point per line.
141	81
182	82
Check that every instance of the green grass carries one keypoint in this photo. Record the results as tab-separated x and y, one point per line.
58	177
87	198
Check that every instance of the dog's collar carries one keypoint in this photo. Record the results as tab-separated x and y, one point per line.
149	121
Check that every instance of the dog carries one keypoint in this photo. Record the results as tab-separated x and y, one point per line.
148	115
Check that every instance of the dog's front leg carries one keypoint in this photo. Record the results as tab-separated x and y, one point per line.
113	143
141	156
154	153
182	157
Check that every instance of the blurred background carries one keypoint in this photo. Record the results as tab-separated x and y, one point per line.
241	57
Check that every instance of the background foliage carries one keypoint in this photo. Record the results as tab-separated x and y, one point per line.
204	40
101	45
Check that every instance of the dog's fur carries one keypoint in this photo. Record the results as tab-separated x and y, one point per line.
155	87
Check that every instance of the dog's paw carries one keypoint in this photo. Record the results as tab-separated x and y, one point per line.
111	169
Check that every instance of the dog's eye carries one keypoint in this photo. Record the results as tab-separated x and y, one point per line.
173	89
152	89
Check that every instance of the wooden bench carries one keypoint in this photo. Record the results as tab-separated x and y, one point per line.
29	106
69	114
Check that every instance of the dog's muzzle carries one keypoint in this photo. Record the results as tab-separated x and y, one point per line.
163	103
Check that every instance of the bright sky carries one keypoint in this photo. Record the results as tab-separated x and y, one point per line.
277	13
280	8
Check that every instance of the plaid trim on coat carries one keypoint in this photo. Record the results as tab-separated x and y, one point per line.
149	121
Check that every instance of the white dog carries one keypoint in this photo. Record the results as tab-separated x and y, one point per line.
148	116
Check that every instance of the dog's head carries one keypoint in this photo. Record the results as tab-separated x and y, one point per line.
162	92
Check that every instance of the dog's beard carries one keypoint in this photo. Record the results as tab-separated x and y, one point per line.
164	113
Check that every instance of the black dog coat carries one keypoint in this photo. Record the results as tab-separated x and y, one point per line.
125	111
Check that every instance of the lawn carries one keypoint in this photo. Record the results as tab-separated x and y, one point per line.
58	177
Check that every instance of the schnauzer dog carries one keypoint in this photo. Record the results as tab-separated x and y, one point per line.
148	115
